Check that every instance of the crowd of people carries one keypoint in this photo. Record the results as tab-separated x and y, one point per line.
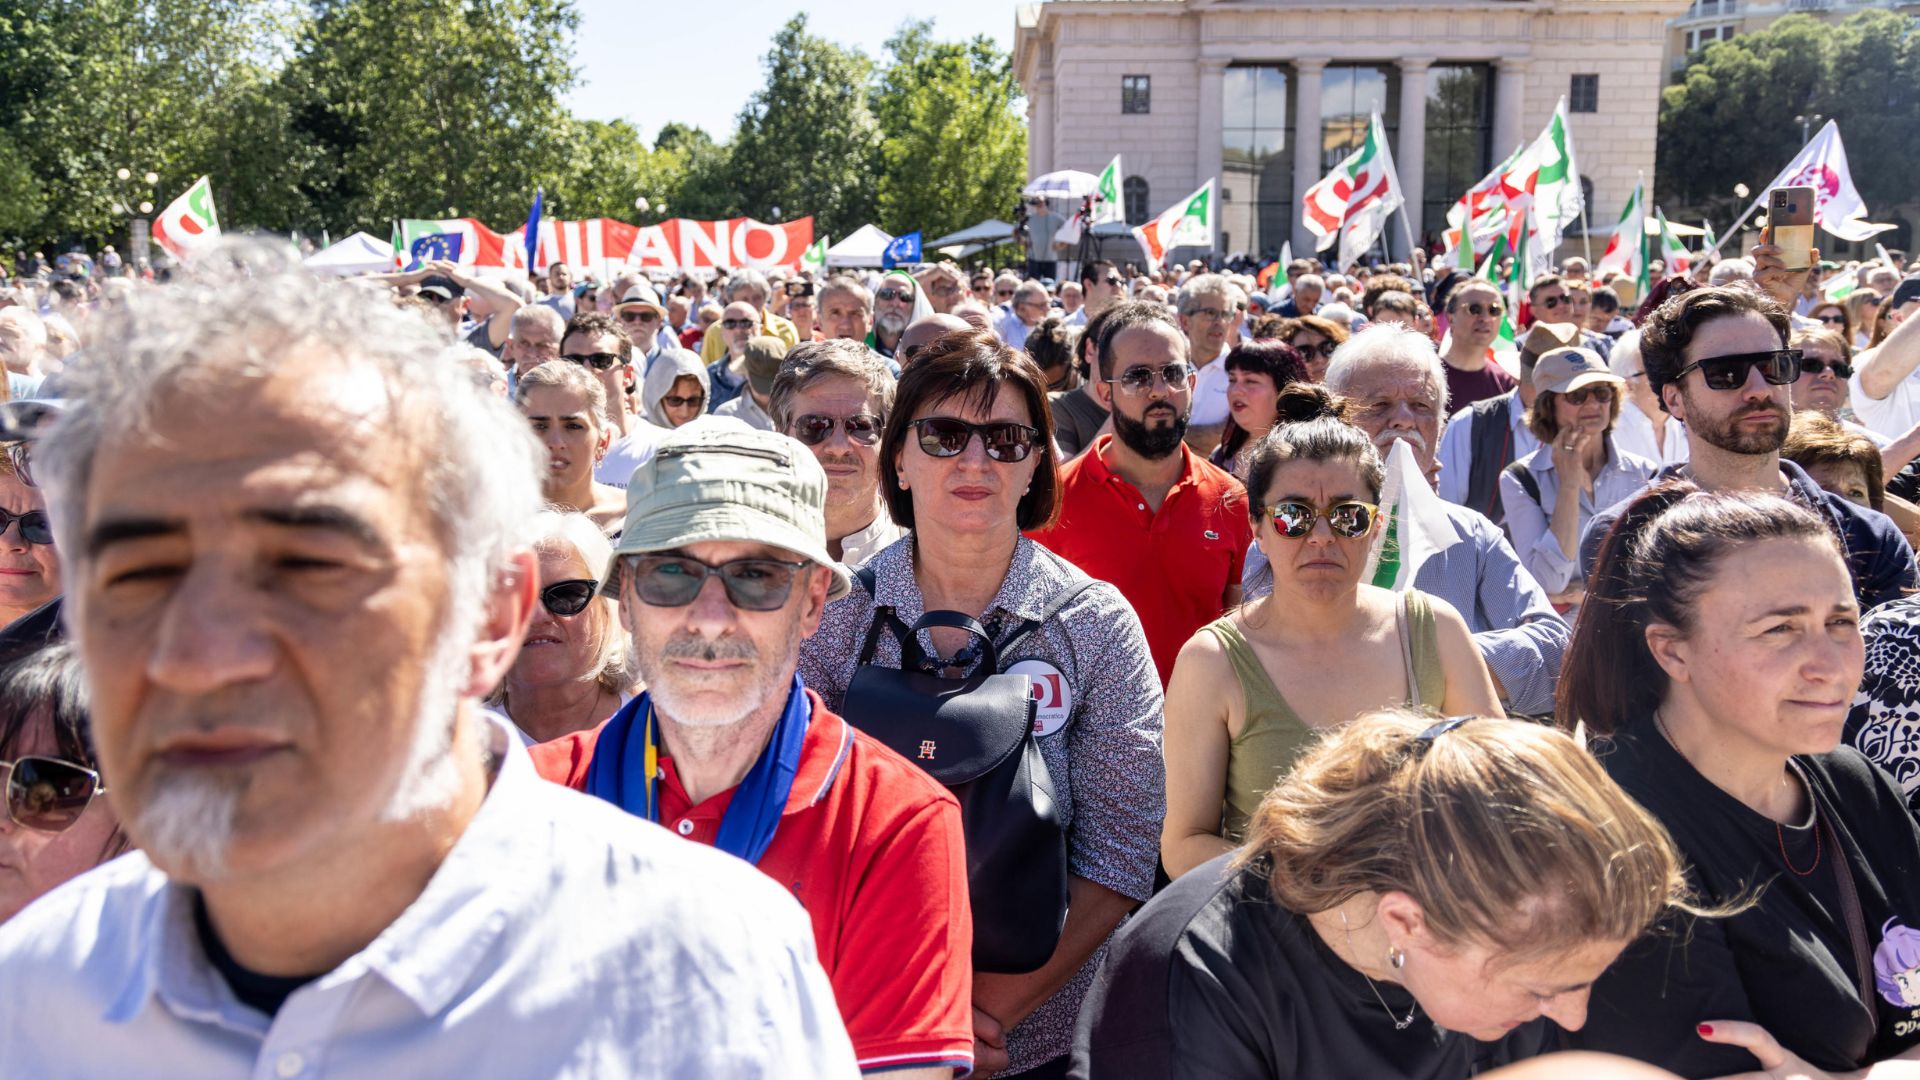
933	672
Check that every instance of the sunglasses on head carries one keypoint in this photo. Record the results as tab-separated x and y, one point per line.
1777	366
34	528
945	437
676	580
1600	393
675	401
813	429
566	599
893	294
1352	519
1139	380
48	794
1813	365
599	361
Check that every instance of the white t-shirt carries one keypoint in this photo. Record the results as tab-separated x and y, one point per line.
627	453
1891	416
1210	393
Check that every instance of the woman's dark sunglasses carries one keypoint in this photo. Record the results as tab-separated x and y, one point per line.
48	794
1323	350
1833	318
675	580
1295	518
1602	394
34	528
1005	441
1813	365
568	598
675	401
814	430
1778	366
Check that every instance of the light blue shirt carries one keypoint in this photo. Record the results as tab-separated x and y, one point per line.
1531	522
1456	447
1010	328
1519	635
561	937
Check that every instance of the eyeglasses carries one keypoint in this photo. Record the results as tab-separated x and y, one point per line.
1323	350
48	794
1833	318
1601	394
1813	365
1216	314
569	598
540	348
1295	518
1778	366
1477	310
675	580
1139	380
736	324
945	437
894	294
675	401
813	429
21	458
599	361
33	526
640	315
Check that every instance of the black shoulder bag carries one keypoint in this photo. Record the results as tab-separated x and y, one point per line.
976	736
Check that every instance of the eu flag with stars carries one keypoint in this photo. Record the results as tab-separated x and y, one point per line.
433	246
902	250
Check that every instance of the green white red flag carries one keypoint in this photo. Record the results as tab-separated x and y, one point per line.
189	223
1351	204
1190	221
1627	251
1107	202
1672	252
1541	179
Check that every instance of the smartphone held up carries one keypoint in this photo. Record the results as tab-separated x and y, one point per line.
1790	225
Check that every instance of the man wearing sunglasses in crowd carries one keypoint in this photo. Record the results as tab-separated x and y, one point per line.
1474	311
721	570
897	304
1718	358
1140	510
834	397
1549	300
286	628
1101	287
644	318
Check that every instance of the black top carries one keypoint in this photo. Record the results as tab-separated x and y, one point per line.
263	992
1787	962
1212	979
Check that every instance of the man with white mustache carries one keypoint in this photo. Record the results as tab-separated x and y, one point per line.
1394	381
296	539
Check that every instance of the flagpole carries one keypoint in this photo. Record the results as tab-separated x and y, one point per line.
1406	225
1586	235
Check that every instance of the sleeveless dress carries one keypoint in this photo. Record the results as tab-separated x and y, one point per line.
1274	736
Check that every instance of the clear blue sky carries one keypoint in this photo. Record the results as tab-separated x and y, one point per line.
659	60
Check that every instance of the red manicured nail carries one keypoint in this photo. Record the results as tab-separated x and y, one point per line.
1706	1029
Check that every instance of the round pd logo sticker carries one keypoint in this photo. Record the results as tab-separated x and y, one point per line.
1051	694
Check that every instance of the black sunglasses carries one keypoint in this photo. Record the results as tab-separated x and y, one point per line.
945	437
675	401
1833	319
568	598
1777	366
675	580
1294	518
1813	365
34	528
814	430
1603	394
736	324
1139	380
599	361
48	794
1323	350
1551	302
640	315
893	294
1477	310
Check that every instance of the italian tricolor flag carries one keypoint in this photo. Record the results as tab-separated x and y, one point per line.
189	223
1351	204
1627	251
815	257
1672	252
1187	222
1107	205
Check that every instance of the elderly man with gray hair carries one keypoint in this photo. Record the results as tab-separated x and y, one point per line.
23	345
535	338
297	541
1211	309
750	287
1017	319
1393	380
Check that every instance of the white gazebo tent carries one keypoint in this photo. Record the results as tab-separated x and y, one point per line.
356	254
867	246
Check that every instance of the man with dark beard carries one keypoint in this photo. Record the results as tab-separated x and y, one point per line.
1142	511
1719	360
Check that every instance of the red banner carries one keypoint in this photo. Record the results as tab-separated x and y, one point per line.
675	245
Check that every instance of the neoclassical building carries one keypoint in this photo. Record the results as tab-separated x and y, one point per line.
1188	89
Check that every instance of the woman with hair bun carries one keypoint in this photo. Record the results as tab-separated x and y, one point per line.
1313	489
1714	664
1415	899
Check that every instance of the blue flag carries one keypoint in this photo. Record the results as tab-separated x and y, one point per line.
435	246
901	250
533	229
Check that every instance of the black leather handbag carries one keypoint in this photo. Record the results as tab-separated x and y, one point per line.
976	736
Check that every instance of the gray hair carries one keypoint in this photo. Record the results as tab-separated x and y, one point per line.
32	327
841	283
816	360
1386	345
570	377
537	313
233	327
1728	271
1310	281
1203	285
1032	291
749	278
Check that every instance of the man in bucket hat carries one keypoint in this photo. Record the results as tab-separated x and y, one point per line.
721	570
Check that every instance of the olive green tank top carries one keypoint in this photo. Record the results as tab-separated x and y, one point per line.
1273	736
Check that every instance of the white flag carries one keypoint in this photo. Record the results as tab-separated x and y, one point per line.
1418	527
1822	165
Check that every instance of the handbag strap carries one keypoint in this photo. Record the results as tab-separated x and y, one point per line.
1061	599
1855	918
1406	651
911	653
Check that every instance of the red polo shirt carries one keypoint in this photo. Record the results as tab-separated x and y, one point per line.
1173	566
871	846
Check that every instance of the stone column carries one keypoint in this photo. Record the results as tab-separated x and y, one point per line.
1207	133
1307	73
1509	99
1410	157
1040	129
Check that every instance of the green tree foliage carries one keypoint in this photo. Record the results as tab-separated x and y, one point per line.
1729	119
806	141
954	140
